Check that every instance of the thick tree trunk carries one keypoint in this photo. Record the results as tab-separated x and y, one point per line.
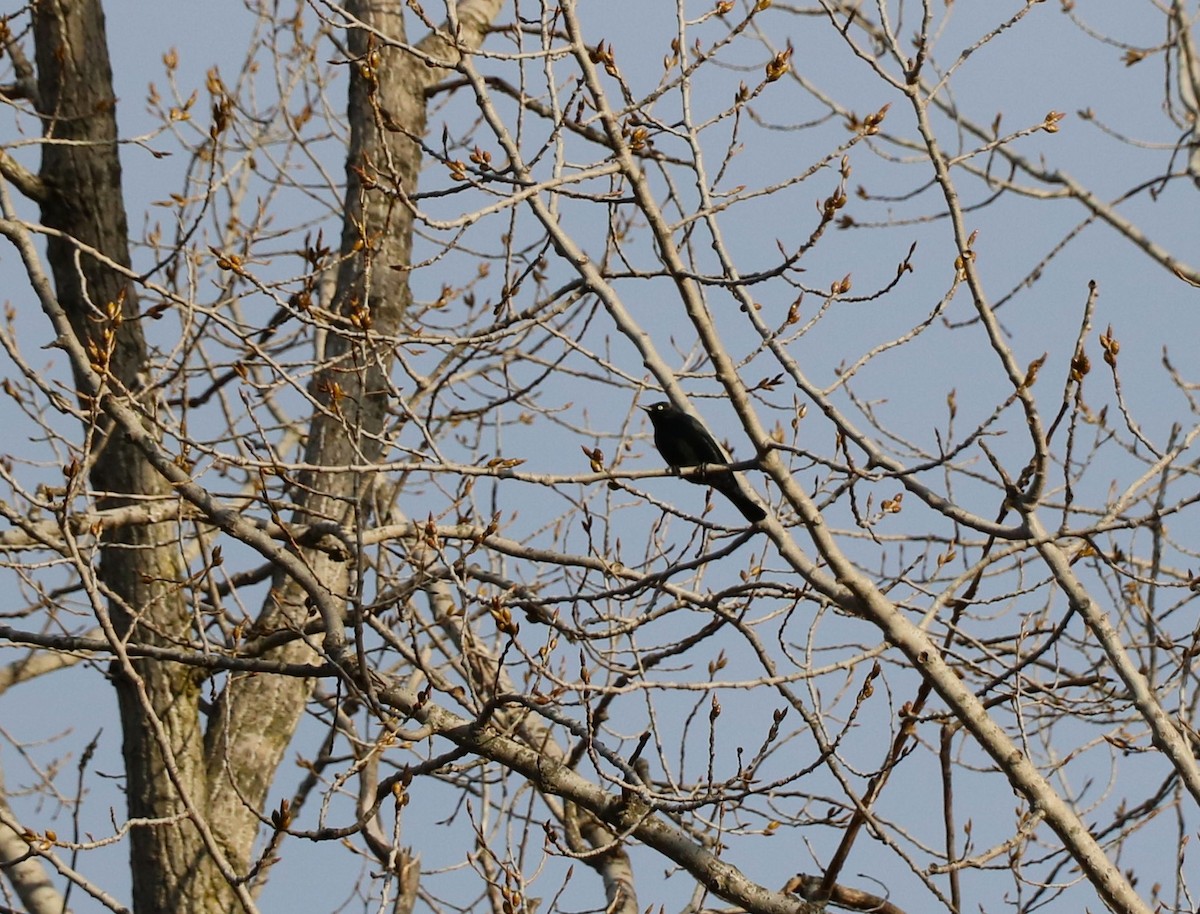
158	702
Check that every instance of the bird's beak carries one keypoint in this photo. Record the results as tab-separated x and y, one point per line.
644	409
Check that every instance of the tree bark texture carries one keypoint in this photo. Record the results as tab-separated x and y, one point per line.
139	564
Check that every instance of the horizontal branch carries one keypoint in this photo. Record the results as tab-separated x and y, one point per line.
200	656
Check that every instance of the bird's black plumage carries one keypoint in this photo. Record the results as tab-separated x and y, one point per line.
684	442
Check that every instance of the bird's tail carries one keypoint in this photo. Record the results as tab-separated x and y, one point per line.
731	487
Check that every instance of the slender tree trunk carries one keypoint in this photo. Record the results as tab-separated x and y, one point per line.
259	714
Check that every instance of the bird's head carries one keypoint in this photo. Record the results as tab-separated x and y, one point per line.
656	409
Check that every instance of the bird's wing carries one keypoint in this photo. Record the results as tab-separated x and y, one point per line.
706	446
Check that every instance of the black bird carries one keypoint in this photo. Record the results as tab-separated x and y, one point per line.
684	442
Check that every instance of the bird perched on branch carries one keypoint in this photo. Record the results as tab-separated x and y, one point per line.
684	442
